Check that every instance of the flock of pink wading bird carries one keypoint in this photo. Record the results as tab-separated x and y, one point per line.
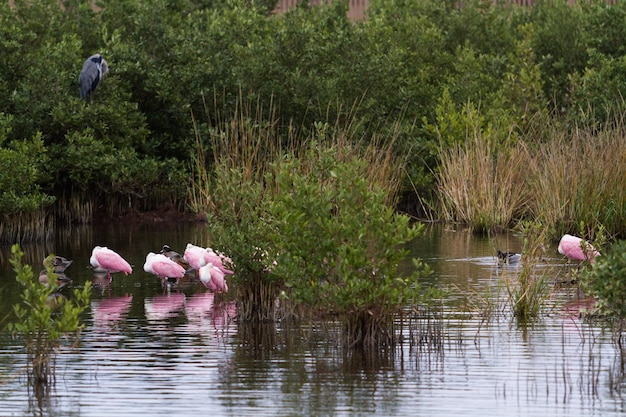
209	265
168	265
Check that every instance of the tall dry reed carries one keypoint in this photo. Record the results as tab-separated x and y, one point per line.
567	180
578	178
252	138
481	182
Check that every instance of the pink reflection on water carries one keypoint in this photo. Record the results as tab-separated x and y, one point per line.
163	307
109	311
204	311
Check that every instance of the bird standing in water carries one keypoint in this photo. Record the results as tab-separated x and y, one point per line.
103	258
175	256
163	267
213	278
577	249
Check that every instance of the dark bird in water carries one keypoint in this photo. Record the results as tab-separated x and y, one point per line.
509	258
176	257
57	263
94	69
61	279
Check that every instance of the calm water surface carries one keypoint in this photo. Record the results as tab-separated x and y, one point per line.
146	351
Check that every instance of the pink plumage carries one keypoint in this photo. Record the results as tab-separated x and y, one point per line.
195	256
109	260
577	249
162	266
213	278
211	257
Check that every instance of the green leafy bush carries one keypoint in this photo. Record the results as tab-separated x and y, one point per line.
44	317
339	244
21	165
607	280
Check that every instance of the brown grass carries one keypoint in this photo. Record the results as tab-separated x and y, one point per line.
580	177
482	184
250	141
568	181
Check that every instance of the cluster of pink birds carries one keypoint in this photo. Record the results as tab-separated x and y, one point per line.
170	265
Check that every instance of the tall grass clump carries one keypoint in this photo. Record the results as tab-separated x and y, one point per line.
578	178
527	286
481	178
44	318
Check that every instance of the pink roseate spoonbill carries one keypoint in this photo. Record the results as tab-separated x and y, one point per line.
103	258
213	278
163	267
195	256
217	260
577	249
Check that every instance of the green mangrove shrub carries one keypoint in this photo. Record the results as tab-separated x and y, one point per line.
22	200
606	280
338	244
44	318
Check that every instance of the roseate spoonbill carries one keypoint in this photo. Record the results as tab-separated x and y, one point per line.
163	267
509	258
213	278
94	69
103	258
211	256
175	256
195	256
56	263
577	249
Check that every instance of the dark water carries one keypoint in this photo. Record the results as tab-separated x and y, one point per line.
148	351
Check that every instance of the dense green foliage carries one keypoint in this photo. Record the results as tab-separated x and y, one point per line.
320	233
338	244
44	317
405	64
607	280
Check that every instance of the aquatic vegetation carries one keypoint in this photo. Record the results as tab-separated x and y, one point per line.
311	219
44	318
528	287
606	280
339	244
481	178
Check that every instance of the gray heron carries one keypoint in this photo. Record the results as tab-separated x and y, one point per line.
94	69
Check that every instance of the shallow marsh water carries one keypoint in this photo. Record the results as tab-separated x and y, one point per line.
149	351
